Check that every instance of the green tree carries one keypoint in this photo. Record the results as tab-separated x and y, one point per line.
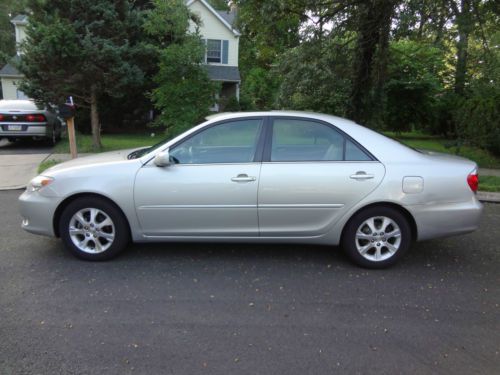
315	76
269	29
8	10
372	27
82	48
413	86
219	4
183	92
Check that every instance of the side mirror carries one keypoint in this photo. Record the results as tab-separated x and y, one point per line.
162	159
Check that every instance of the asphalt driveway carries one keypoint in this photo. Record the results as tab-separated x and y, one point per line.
251	309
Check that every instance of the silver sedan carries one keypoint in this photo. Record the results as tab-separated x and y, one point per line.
274	177
20	119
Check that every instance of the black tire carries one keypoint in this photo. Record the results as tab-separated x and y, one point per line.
376	247
120	229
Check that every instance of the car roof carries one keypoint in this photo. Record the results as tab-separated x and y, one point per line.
288	113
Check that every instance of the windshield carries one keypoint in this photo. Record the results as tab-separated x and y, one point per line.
143	151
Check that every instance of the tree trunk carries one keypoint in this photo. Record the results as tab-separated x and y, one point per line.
372	20
382	58
94	119
464	27
365	49
440	24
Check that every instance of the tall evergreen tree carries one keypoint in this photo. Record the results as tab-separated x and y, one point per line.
82	48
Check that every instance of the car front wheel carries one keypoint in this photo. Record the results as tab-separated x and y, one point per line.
93	229
377	237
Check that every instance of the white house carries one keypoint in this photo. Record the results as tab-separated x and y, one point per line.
222	41
9	74
221	57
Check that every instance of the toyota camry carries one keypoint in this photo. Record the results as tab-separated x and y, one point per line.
273	177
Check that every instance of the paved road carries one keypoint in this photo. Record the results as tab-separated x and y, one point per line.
229	309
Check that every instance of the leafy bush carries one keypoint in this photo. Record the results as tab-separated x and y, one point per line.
477	119
413	85
231	104
315	76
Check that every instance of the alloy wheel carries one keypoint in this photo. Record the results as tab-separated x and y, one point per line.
91	230
378	238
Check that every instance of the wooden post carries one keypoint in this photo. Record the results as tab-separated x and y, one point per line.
71	135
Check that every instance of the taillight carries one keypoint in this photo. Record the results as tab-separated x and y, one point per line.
35	118
2	117
473	181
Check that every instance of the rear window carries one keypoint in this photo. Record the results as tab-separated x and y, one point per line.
22	105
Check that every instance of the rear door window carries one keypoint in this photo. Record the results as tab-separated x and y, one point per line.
306	140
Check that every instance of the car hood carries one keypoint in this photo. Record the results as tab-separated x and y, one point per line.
96	159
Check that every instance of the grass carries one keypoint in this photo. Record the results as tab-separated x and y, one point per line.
489	183
110	142
46	164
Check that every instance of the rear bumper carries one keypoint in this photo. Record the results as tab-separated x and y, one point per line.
26	131
447	219
37	212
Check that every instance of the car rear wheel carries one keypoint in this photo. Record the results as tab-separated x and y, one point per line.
93	229
53	138
377	237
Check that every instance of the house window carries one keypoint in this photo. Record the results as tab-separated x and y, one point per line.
214	51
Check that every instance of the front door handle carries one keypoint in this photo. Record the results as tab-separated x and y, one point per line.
243	178
361	175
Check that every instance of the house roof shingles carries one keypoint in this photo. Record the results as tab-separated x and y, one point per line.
223	73
20	18
9	69
229	17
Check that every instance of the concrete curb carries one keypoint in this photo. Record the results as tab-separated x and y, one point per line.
486	196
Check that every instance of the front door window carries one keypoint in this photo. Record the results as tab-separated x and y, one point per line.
230	142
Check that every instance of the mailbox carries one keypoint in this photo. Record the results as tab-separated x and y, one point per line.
67	111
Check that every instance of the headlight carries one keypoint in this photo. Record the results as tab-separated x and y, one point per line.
39	182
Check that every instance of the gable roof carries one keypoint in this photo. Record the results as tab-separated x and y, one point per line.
222	16
229	16
9	69
20	19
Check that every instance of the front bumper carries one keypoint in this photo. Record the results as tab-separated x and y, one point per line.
37	212
447	219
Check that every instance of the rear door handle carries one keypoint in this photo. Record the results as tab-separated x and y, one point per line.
243	178
361	175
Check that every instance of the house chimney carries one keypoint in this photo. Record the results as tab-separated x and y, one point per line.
20	22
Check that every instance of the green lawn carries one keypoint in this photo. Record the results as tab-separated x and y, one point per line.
489	183
46	164
110	142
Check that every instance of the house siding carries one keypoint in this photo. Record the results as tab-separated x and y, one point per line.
9	88
213	28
